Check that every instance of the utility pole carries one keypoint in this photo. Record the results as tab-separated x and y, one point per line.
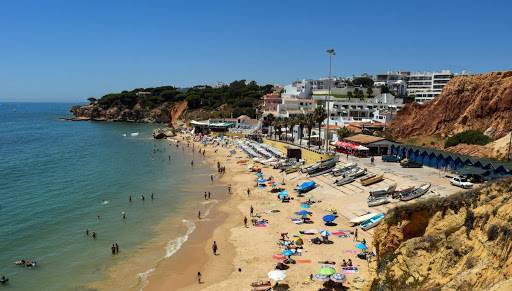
331	53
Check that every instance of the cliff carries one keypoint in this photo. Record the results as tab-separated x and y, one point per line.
460	242
482	102
166	104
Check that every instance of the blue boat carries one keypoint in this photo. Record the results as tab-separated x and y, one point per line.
305	187
372	222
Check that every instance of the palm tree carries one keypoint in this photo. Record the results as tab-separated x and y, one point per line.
286	123
300	119
277	126
292	123
319	116
309	121
270	120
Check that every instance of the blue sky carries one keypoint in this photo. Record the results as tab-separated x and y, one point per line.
71	50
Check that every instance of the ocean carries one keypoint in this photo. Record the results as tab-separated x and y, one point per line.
59	178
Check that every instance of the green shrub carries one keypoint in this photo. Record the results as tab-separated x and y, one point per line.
467	137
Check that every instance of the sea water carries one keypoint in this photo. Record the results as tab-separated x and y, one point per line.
59	178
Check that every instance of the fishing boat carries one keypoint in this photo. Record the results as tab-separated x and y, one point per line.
372	222
357	173
384	191
344	181
378	200
305	187
371	179
292	169
323	167
322	170
343	169
417	192
361	218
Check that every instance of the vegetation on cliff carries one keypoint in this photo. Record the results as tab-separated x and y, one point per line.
237	98
459	242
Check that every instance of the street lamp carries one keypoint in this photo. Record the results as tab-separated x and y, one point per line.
331	53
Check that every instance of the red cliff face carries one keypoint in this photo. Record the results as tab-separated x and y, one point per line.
482	102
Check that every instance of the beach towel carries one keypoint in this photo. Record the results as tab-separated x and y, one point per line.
350	270
344	236
261	225
351	251
303	261
278	257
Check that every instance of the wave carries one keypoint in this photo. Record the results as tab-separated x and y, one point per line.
174	245
143	278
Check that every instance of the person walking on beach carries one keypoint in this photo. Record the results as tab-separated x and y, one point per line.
248	192
93	235
229	188
205	195
252	210
209	195
117	248
214	248
199	214
130	199
199	278
372	160
245	221
124	215
113	248
192	163
355	235
211	178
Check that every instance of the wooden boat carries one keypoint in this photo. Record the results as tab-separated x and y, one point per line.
344	169
372	222
344	181
384	191
359	173
378	200
372	179
417	192
362	218
292	169
324	166
323	170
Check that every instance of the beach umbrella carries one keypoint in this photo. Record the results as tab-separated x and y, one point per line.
277	275
302	212
338	277
304	205
287	253
321	278
329	218
361	246
325	233
299	242
327	271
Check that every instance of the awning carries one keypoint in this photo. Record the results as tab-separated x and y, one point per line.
469	170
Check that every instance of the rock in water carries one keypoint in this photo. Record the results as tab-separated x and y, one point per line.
160	133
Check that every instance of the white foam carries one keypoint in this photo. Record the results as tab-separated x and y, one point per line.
174	245
143	278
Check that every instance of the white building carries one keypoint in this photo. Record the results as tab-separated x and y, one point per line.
343	111
425	86
298	89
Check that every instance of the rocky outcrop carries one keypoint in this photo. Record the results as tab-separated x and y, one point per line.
481	102
136	114
160	133
460	242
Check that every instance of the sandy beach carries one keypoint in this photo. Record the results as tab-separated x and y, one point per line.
246	254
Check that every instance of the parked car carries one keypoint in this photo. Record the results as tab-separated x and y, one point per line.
462	182
410	164
390	159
